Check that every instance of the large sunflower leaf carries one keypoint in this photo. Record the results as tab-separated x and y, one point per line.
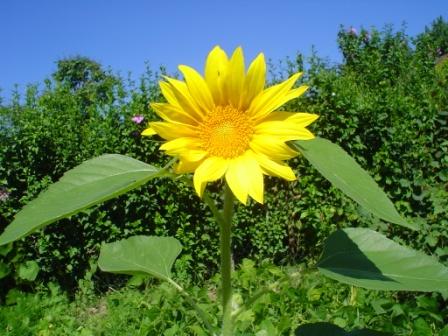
140	255
90	183
327	329
346	174
365	258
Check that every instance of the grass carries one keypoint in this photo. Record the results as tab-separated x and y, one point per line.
157	309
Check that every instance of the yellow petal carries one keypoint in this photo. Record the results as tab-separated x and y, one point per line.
172	113
272	147
273	168
194	155
255	80
215	73
170	131
168	93
149	131
303	119
244	177
272	98
189	160
185	166
292	94
180	146
277	116
209	170
236	179
284	130
256	183
295	93
198	87
298	118
184	99
234	82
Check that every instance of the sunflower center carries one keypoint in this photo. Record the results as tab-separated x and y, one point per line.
226	132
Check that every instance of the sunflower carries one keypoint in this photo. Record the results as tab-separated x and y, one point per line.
225	124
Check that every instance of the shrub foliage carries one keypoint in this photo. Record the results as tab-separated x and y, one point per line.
386	104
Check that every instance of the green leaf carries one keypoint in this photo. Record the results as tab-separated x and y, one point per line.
5	249
366	258
140	255
444	331
4	270
346	174
90	183
324	329
137	280
29	270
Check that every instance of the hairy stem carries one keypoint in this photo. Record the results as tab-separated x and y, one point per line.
226	262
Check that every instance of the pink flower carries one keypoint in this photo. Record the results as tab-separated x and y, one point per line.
4	195
138	118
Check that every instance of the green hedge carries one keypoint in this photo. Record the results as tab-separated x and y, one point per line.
386	104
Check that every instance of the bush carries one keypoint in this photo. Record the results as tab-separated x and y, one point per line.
385	104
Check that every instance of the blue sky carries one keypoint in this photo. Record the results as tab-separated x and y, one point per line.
125	34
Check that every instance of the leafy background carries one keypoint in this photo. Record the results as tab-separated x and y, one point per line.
386	104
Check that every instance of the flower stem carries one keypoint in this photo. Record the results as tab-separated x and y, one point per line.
224	220
226	262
